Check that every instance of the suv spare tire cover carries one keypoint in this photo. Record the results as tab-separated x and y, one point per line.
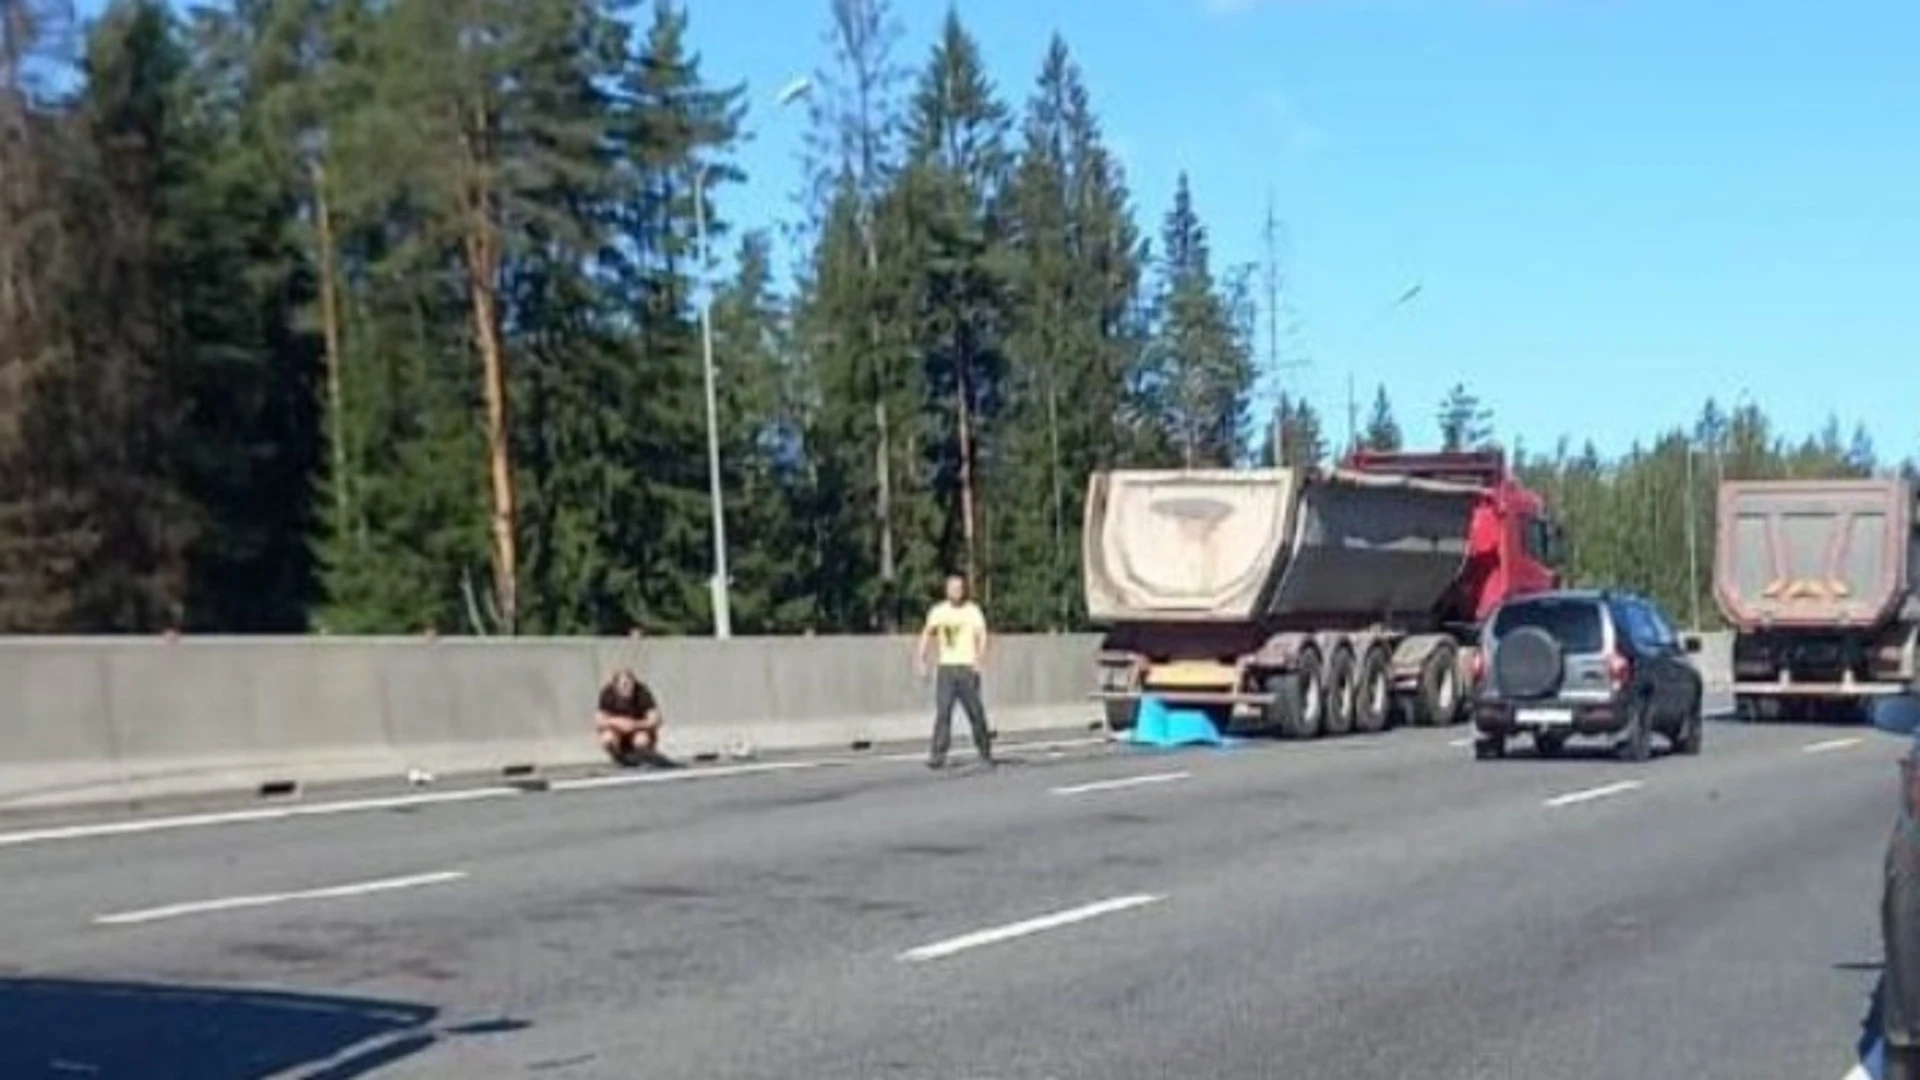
1526	663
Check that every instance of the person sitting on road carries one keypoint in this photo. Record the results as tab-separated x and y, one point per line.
629	720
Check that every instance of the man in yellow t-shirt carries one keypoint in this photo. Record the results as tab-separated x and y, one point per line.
956	631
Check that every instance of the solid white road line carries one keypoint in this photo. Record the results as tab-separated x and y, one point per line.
1124	782
1461	742
234	817
1058	919
588	783
1051	745
395	802
1831	744
335	892
1590	794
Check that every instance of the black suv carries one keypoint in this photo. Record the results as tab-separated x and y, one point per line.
1559	664
1896	1013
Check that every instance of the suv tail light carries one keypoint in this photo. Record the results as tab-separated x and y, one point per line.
1476	668
1619	671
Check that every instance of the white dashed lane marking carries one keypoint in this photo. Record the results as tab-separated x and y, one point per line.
1123	782
1025	927
1588	795
1826	745
233	903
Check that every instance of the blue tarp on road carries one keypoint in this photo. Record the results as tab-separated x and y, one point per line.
1157	724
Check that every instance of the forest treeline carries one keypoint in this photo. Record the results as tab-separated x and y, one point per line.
383	315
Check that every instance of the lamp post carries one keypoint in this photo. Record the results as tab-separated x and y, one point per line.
721	583
1693	545
1405	296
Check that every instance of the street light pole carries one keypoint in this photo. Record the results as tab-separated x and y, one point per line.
722	608
722	581
1406	296
1693	545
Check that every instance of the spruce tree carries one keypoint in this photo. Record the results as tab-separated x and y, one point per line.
958	169
1465	424
1382	432
1200	369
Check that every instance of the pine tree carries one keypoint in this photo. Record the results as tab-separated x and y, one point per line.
128	325
248	366
490	184
46	540
762	418
1302	441
1201	368
959	167
1071	344
856	307
1382	431
1860	459
1464	422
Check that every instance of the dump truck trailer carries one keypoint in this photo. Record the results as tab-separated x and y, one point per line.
1315	601
1817	578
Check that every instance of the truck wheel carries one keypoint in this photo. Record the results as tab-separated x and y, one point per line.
1121	715
1373	692
1337	690
1437	701
1297	698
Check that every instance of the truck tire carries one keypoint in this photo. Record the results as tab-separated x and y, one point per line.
1436	702
1373	692
1297	705
1121	715
1337	686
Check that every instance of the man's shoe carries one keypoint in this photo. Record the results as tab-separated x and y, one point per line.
936	765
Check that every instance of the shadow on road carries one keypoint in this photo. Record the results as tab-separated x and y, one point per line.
64	1029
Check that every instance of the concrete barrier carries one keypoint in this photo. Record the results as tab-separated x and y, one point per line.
116	719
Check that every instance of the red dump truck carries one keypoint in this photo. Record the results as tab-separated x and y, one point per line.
1317	601
1820	581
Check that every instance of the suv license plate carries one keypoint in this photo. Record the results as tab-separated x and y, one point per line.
1544	716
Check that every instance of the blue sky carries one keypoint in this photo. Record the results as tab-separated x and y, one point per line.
1615	207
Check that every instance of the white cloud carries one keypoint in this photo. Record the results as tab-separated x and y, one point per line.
1297	134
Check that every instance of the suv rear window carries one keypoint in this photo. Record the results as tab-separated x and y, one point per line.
1575	624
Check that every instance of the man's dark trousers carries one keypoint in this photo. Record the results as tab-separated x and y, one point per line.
1899	999
958	683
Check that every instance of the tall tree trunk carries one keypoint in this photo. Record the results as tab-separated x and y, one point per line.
963	384
883	438
1056	581
481	245
483	258
331	339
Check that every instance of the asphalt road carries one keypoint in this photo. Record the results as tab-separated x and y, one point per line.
1361	908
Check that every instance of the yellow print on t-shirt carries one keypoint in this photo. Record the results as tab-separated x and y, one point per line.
957	630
